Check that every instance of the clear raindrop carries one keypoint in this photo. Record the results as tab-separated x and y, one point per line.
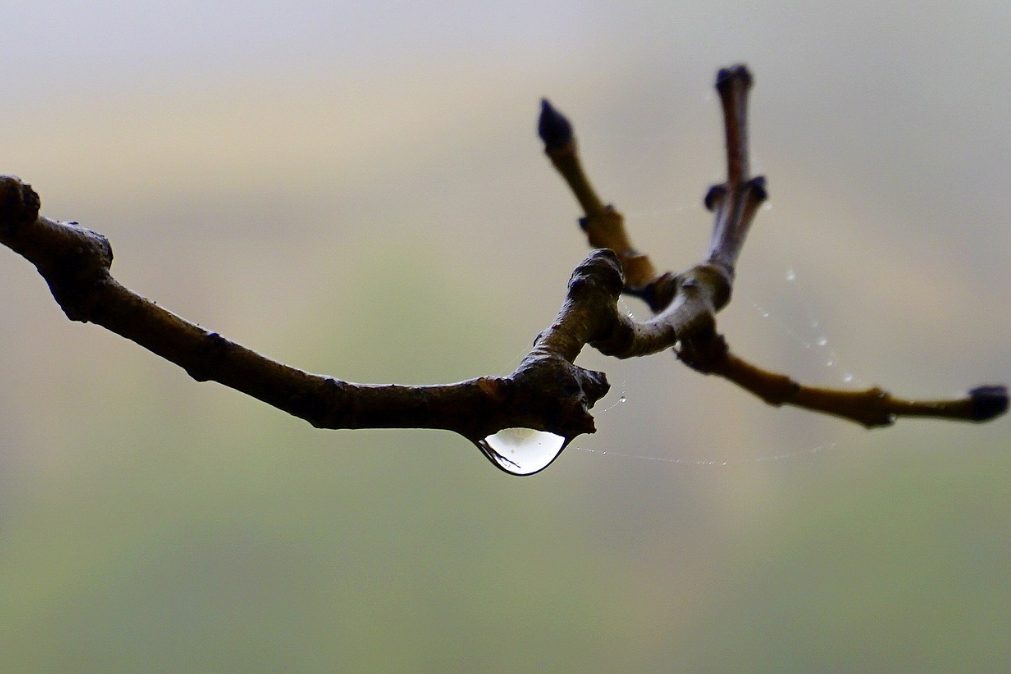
522	451
623	398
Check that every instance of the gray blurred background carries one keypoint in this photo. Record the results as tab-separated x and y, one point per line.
358	190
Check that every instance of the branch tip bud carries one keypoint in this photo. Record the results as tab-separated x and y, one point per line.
553	128
988	402
728	77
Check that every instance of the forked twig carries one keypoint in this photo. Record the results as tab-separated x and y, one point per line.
547	391
687	303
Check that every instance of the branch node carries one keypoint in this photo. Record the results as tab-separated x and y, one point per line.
714	195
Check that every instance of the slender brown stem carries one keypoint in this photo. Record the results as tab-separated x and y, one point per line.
869	407
685	305
735	201
603	224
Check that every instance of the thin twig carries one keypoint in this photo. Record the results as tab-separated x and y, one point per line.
685	305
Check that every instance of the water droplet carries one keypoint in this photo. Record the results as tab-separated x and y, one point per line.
765	314
822	341
791	275
847	377
767	206
623	398
522	451
814	323
830	363
604	451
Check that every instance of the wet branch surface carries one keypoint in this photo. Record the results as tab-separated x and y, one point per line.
547	391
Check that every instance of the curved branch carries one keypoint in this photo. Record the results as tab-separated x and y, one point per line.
545	392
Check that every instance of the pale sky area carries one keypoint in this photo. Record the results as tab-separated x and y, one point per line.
357	189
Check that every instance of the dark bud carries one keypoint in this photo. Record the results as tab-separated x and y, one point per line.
988	402
728	77
760	192
553	128
713	196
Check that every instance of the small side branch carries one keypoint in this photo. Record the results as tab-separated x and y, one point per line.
685	305
871	407
603	224
735	201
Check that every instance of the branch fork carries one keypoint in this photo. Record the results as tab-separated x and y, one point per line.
685	305
547	391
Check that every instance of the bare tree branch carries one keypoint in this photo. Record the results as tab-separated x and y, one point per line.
547	391
685	305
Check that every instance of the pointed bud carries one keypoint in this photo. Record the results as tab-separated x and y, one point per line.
553	128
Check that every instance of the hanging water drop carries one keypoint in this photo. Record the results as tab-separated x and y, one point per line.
522	451
623	398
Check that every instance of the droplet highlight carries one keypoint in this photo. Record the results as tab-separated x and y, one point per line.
522	451
791	275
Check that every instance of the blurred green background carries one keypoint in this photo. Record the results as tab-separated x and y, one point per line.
357	190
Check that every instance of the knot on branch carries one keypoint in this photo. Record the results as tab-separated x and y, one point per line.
19	204
549	393
599	273
704	353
